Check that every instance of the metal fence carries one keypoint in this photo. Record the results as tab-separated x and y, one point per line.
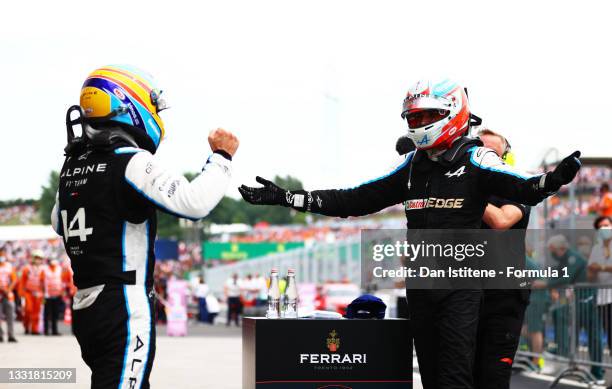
571	326
316	264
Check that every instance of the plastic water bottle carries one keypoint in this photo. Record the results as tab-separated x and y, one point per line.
290	310
273	296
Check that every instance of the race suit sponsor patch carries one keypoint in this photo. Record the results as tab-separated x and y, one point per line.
433	202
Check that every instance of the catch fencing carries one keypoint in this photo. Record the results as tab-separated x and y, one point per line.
320	263
571	327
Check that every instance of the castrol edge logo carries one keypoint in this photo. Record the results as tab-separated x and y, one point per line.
433	202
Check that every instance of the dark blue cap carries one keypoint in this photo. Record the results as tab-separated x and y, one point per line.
366	307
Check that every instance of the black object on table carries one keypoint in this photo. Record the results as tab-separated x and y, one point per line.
329	354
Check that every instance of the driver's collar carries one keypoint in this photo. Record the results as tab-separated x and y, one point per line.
450	156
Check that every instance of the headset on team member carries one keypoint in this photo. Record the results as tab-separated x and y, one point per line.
507	155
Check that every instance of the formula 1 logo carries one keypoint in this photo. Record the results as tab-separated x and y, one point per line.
457	173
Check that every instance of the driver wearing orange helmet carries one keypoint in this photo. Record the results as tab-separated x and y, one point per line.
443	184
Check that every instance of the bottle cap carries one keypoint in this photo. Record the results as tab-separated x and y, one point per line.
291	271
274	270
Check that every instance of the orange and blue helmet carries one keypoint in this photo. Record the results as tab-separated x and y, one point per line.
127	96
437	112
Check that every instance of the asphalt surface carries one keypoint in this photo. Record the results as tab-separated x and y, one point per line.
528	382
209	357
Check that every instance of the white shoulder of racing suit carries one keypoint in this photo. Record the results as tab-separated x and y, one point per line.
55	220
172	193
487	159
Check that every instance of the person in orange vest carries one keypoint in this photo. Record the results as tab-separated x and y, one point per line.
54	290
8	280
32	283
605	200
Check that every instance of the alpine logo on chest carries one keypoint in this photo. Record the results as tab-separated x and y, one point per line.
457	173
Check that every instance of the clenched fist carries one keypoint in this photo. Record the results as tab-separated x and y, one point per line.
223	140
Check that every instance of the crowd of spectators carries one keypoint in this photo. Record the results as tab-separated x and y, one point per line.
328	230
20	251
594	175
18	214
295	234
189	253
592	195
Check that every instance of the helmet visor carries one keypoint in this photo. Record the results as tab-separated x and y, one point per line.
425	117
419	102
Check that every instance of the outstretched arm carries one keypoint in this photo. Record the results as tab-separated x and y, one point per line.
175	195
504	181
364	199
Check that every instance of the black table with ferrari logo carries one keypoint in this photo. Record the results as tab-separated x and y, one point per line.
326	354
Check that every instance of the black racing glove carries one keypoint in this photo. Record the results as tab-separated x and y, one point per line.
268	194
563	174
